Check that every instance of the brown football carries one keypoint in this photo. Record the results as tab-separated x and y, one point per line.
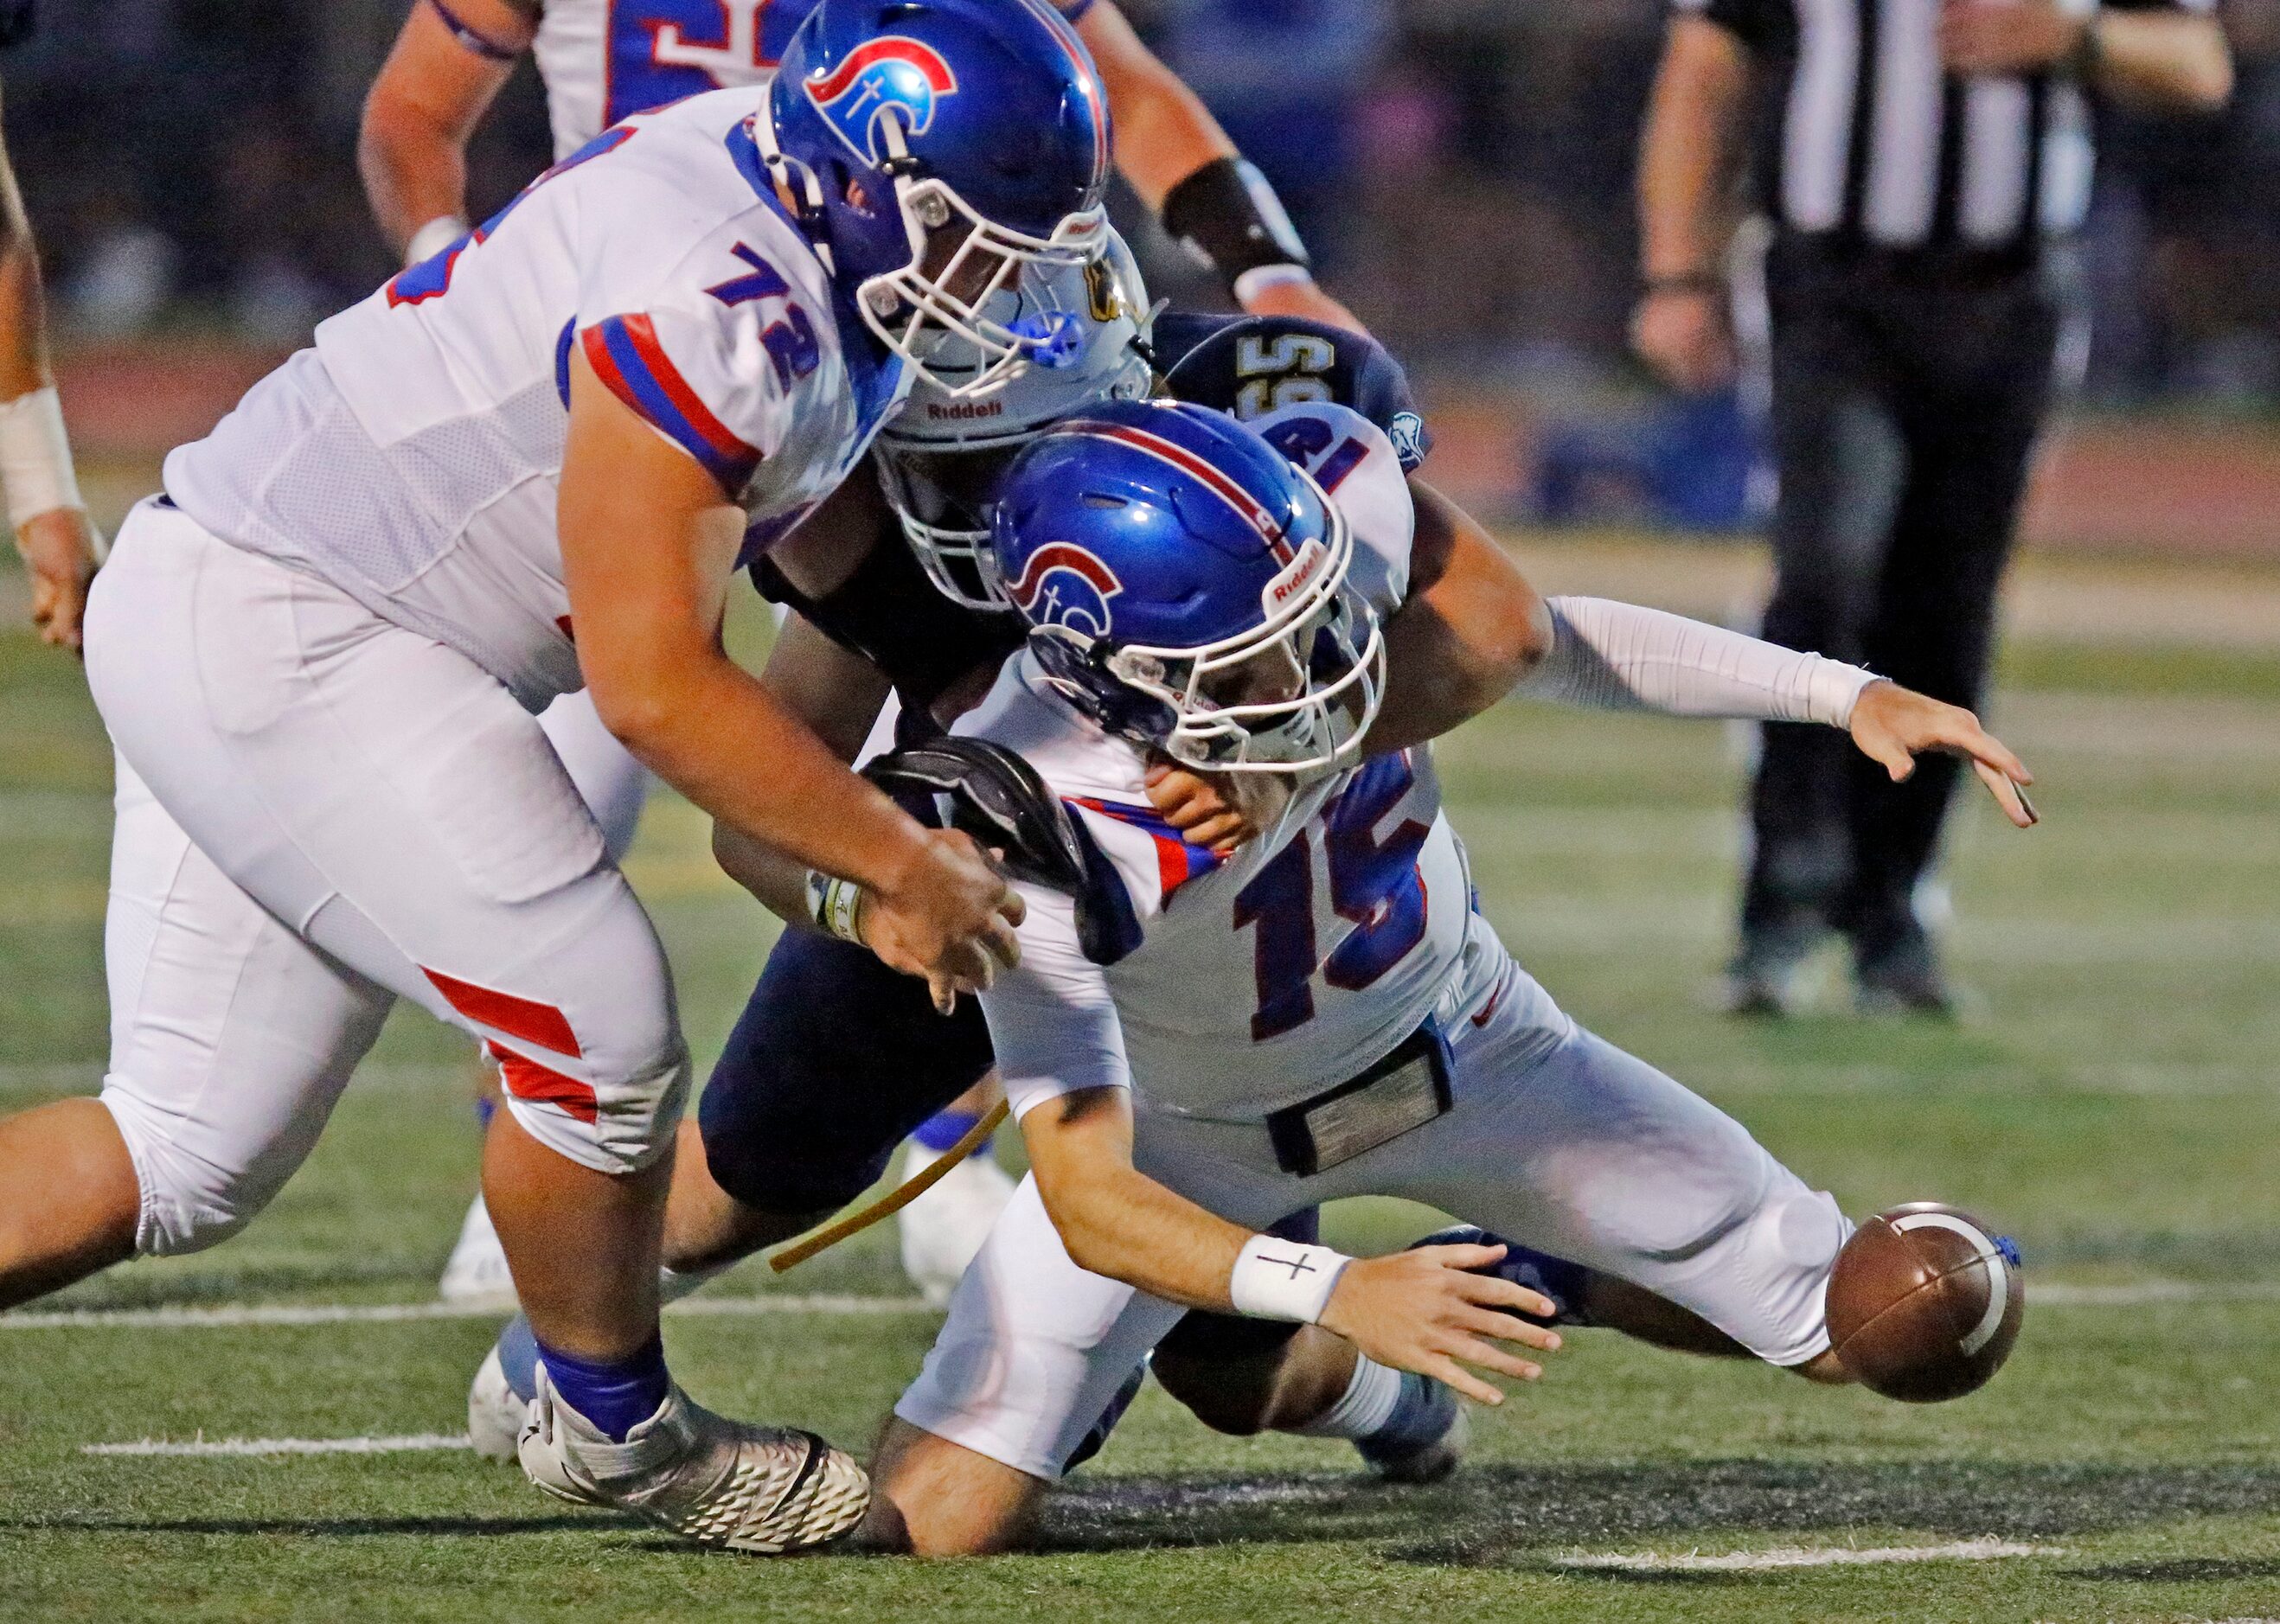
1925	1302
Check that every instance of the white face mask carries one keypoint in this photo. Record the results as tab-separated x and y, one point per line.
936	320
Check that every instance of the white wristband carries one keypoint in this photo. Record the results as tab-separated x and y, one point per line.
35	463
434	237
836	905
1275	1278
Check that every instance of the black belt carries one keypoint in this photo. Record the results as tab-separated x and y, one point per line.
1403	1091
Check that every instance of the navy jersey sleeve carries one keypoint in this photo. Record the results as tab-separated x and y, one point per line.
1249	366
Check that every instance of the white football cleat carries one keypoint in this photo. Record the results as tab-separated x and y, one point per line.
719	1483
495	1415
944	1228
476	1275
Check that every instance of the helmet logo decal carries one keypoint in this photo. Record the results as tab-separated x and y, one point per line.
891	74
1063	585
1051	338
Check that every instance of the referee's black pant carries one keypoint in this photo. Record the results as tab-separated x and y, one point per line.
1907	392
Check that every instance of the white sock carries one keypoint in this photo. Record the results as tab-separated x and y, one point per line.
674	1284
1366	1405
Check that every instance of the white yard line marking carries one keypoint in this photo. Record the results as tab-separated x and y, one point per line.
285	1446
181	1317
185	1316
2062	1294
1799	1556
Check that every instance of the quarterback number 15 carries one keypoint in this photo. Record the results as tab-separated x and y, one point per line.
1373	884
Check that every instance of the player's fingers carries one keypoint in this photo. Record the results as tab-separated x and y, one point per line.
1487	1356
1505	1328
1177	798
1493	1291
1984	746
1461	1256
1215	831
944	990
1002	946
1012	909
1449	1373
2016	806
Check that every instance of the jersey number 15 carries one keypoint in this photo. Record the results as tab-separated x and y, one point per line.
1374	883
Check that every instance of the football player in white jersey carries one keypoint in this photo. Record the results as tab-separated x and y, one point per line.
602	61
1193	597
529	463
45	514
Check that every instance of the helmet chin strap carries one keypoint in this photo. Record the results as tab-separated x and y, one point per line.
797	178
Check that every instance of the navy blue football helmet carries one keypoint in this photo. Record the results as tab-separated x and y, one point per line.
1185	587
938	146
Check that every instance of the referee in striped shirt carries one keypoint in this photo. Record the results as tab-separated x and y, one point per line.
1924	164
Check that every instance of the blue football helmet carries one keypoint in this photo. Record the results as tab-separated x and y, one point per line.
938	147
1185	587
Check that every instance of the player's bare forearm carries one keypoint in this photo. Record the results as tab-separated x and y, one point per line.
648	546
1687	155
1424	1310
1470	629
23	315
2163	61
1114	1220
1163	132
429	96
836	693
833	690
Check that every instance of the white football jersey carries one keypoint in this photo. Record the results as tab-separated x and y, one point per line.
1311	952
604	60
412	455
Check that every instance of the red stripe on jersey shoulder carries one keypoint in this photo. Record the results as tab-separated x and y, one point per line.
718	434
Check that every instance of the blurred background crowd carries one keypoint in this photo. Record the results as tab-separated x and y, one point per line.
1462	169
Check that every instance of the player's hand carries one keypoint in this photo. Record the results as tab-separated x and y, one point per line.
1683	335
1217	813
59	551
948	919
2019	36
1303	298
1425	1310
1894	725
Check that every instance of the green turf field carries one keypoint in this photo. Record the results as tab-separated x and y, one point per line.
2112	1101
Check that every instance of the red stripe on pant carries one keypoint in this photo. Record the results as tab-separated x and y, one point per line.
518	1017
528	1080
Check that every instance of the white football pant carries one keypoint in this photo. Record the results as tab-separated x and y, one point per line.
1576	1147
318	814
